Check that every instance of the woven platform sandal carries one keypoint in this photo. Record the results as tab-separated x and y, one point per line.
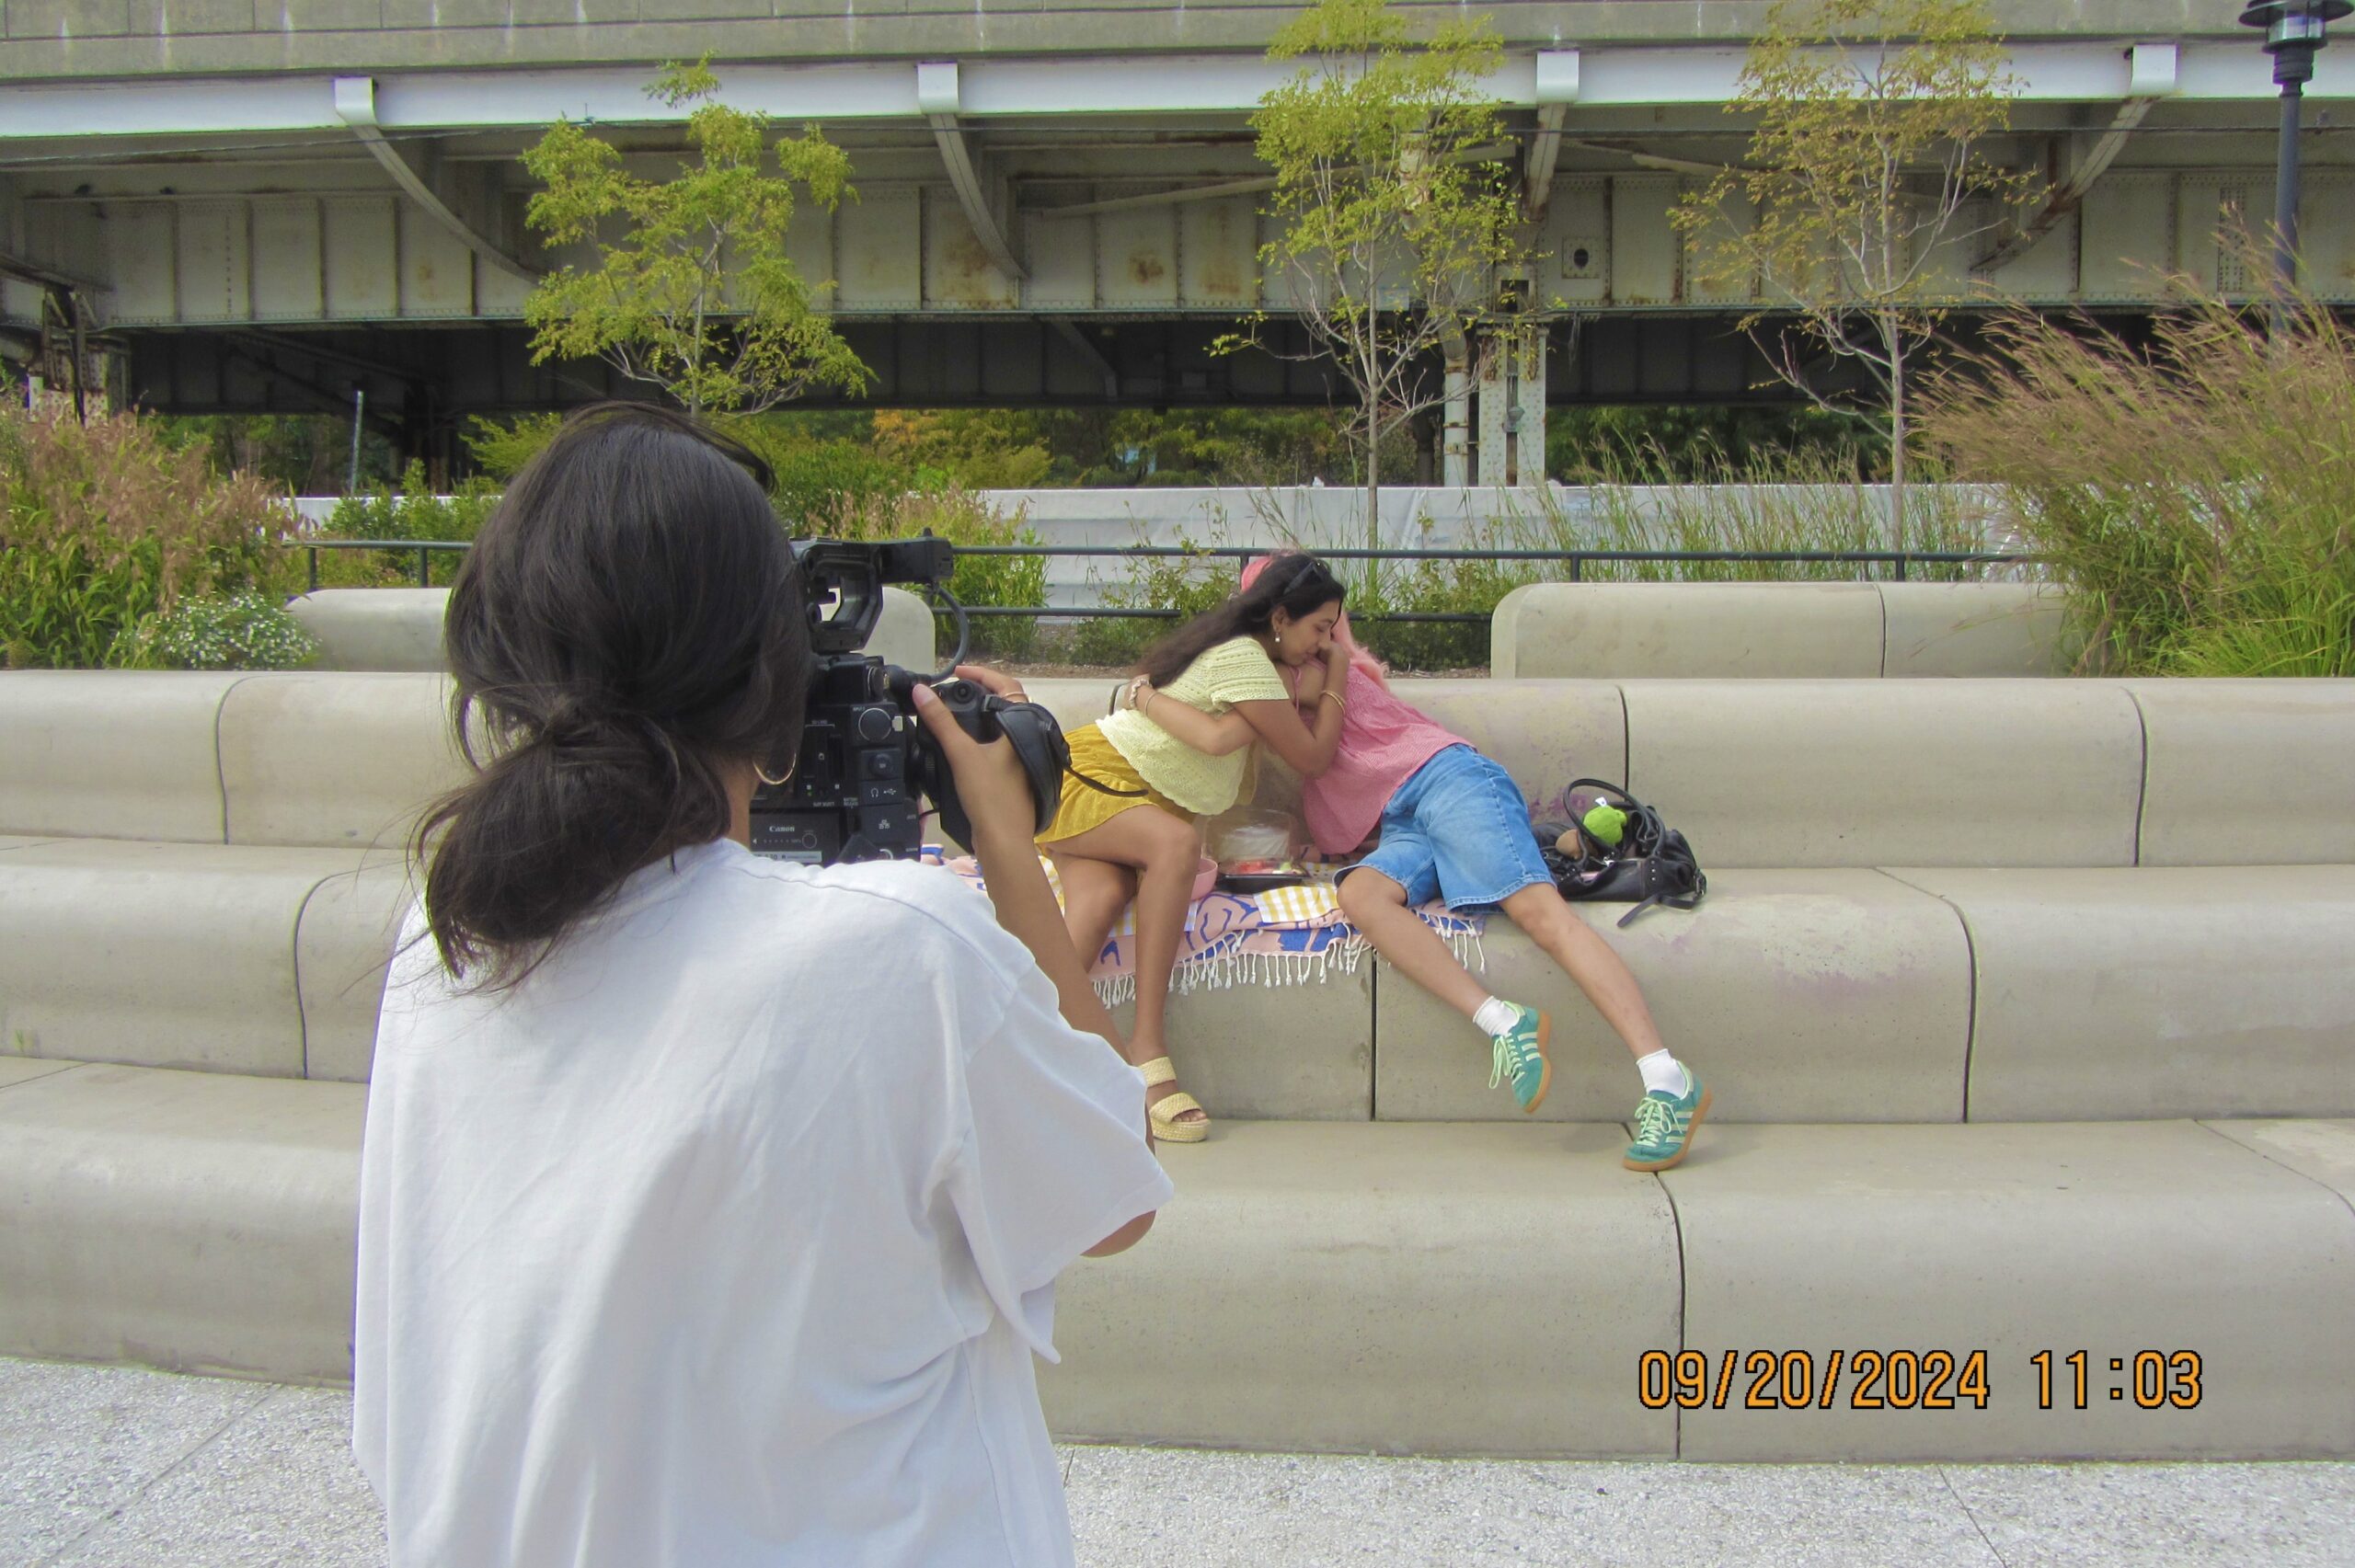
1163	1113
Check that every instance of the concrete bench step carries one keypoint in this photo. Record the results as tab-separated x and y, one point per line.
1995	995
230	958
1750	630
1821	995
1429	1288
195	1222
1757	773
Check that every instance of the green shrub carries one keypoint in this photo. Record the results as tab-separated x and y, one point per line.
247	630
1190	584
1459	587
2196	498
959	517
104	526
829	488
411	510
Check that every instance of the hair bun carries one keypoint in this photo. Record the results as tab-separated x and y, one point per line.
568	722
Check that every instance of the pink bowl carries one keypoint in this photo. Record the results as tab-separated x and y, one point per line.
1206	879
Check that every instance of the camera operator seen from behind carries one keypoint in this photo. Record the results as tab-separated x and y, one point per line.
711	1204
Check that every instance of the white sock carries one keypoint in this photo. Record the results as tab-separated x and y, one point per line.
1495	1016
1664	1073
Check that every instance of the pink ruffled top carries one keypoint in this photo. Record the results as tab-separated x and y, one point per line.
1383	742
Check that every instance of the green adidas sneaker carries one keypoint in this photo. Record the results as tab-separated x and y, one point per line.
1520	1056
1665	1124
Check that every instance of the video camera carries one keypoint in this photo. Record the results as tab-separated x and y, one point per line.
864	760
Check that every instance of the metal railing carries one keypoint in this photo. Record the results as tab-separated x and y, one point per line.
1575	560
426	550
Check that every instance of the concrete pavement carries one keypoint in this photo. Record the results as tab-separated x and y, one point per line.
109	1468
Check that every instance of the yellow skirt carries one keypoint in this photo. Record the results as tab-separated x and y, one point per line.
1081	807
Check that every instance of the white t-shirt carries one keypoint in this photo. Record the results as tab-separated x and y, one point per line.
728	1236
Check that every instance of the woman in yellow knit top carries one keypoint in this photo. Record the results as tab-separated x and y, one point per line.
1144	845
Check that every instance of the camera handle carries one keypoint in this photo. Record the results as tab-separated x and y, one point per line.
964	636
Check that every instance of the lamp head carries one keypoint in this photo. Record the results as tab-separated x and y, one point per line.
2293	35
2294	22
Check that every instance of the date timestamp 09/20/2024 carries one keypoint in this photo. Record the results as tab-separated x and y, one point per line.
1909	1380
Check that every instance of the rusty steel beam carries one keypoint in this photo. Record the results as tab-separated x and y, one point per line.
938	97
355	105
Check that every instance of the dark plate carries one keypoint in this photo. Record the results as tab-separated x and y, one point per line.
1260	881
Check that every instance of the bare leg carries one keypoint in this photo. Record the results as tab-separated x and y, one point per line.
1377	906
1164	853
1095	892
1600	972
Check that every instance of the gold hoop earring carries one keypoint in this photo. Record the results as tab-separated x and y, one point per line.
762	774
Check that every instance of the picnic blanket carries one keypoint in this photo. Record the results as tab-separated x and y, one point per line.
1282	937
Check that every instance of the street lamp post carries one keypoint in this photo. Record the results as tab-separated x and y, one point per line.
2293	35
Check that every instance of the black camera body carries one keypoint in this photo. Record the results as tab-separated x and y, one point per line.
865	763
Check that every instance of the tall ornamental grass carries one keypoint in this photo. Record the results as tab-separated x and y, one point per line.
108	533
1808	502
2197	496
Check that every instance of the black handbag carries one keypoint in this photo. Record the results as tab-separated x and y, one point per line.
1650	864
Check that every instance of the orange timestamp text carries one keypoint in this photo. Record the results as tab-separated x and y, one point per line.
1903	1379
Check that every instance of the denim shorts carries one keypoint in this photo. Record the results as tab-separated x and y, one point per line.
1458	829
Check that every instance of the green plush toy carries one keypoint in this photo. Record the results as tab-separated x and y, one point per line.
1604	823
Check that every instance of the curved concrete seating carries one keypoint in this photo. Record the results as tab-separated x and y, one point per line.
1779	630
2254	772
1810	630
1302	1052
195	1222
1952	629
1823	995
111	753
176	954
342	948
2112	1237
374	628
1815	996
1891	772
254	961
400	628
1334	1270
1273	1307
2159	991
1431	1289
1762	774
346	760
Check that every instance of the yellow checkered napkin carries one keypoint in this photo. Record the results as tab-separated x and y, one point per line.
1306	903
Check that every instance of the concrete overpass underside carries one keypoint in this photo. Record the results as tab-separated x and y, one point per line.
265	204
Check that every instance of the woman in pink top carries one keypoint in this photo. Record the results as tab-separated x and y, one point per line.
1453	825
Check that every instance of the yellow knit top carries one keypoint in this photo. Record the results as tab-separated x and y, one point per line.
1237	670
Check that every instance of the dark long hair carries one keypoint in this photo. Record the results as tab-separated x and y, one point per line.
1298	583
627	623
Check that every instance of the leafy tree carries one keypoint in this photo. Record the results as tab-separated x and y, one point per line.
501	449
700	297
981	449
1396	220
1864	160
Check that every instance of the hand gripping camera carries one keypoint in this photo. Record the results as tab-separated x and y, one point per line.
864	761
